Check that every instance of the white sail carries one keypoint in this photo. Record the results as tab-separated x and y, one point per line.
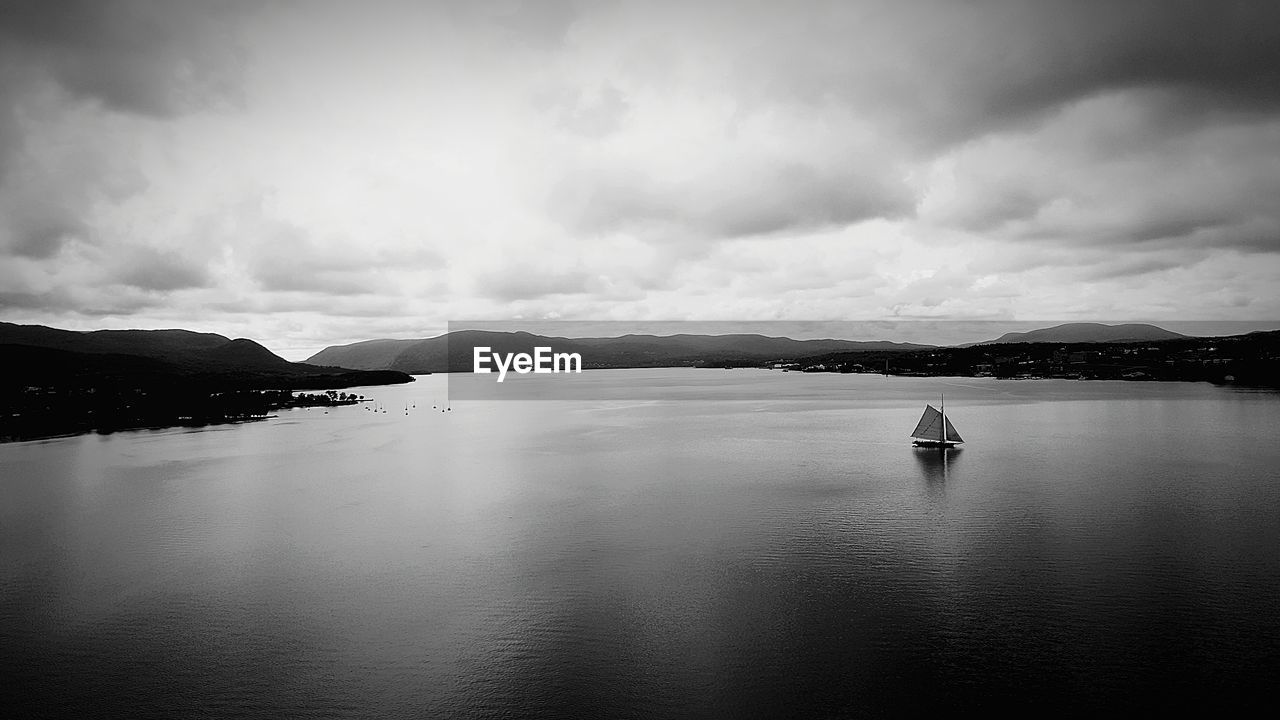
935	428
930	425
952	435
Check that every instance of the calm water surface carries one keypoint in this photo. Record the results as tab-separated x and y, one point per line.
717	544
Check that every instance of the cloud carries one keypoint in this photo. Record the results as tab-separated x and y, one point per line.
135	56
722	173
160	270
727	202
280	254
94	302
542	24
76	78
53	300
1131	267
514	283
592	113
946	72
1221	54
38	229
64	170
749	118
287	303
298	169
1104	172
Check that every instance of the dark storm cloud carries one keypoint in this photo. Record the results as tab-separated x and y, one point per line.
1136	266
59	300
92	302
62	61
1107	173
1198	215
970	157
922	79
998	209
1224	54
162	271
39	230
950	71
731	202
1155	228
91	280
152	57
1093	264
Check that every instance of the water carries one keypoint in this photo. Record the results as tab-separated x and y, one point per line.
764	545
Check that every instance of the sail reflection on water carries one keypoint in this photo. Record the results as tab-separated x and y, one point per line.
936	466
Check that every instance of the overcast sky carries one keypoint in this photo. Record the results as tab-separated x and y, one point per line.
308	173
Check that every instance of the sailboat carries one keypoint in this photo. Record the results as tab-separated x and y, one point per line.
934	429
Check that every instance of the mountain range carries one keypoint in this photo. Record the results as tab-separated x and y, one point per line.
453	351
63	381
35	355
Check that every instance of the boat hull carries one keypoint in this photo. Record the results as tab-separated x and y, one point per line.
938	444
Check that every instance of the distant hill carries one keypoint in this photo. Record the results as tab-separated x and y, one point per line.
454	351
1089	333
366	355
146	358
147	343
246	353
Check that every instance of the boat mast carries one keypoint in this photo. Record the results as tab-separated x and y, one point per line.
943	431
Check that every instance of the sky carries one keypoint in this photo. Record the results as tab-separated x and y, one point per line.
309	173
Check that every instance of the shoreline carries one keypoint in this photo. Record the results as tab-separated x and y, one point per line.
238	407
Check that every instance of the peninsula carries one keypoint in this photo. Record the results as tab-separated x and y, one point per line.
60	382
